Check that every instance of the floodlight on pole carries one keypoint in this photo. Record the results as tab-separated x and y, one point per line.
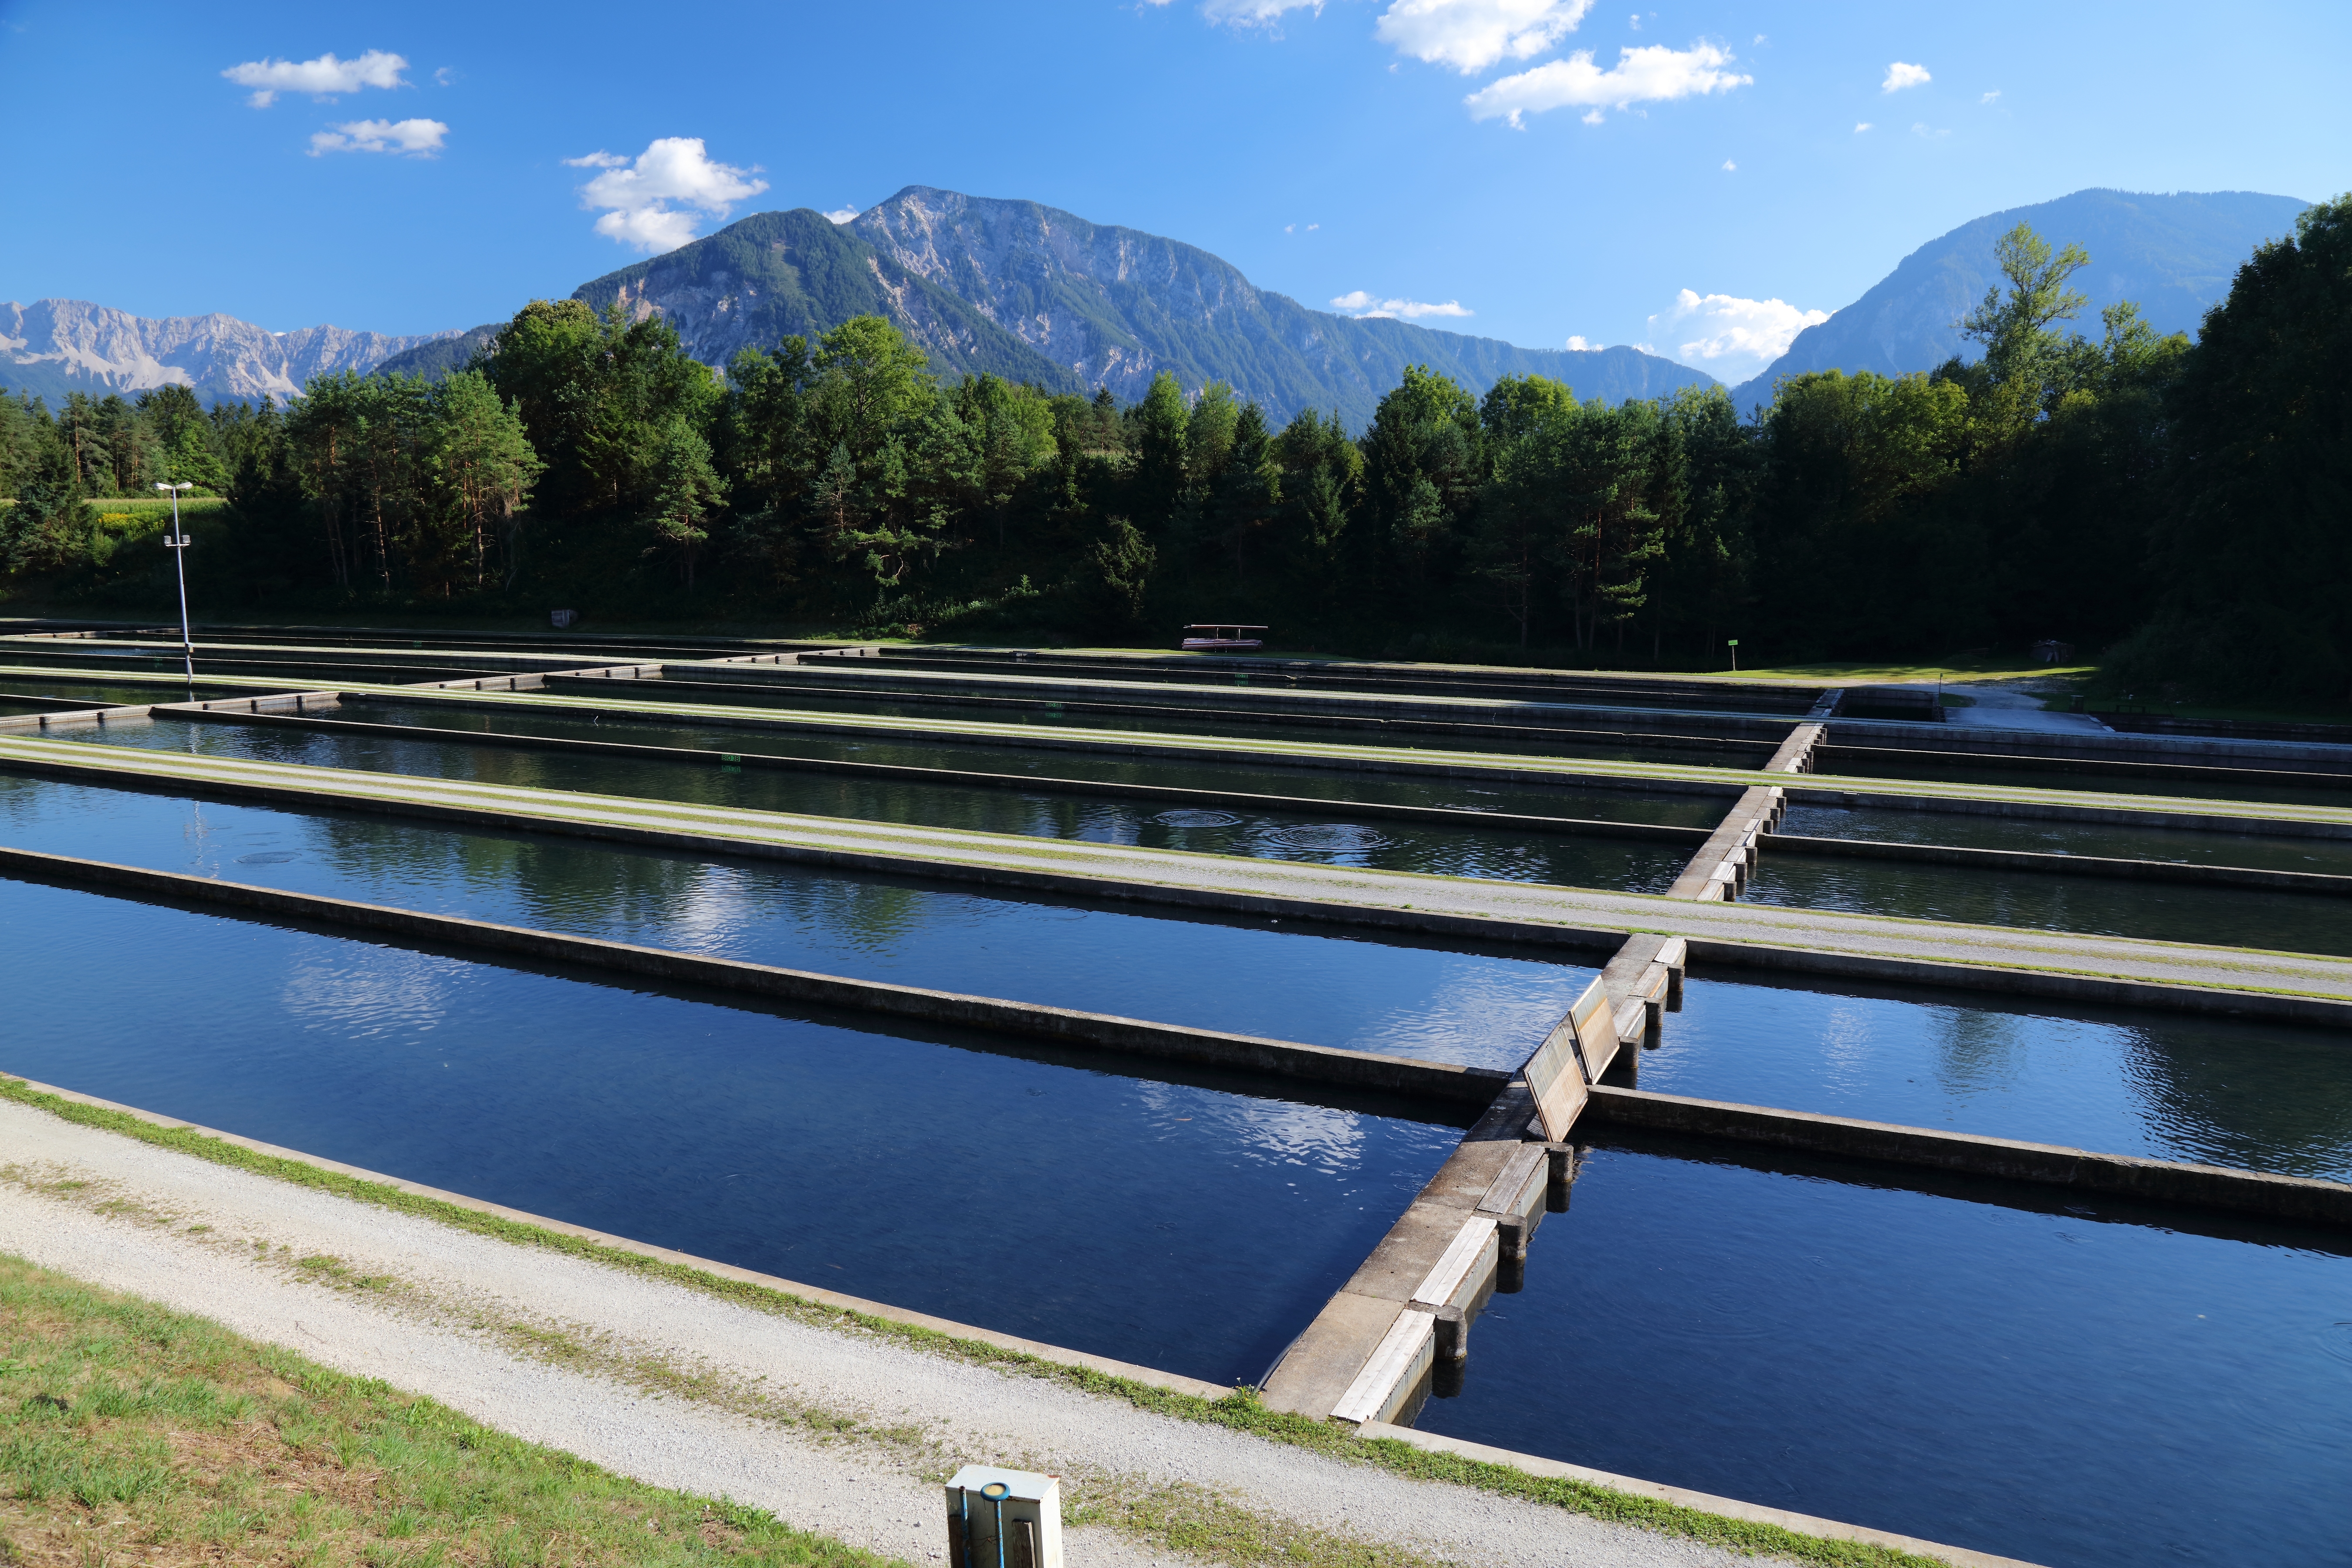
177	543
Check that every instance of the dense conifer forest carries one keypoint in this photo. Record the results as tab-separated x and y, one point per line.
2183	506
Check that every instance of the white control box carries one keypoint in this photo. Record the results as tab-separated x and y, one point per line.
1003	1518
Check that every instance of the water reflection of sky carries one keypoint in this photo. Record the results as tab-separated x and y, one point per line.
2222	1092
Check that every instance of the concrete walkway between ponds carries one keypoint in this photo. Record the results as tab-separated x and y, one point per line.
2310	987
833	1428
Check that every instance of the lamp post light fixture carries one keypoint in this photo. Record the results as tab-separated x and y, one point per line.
177	543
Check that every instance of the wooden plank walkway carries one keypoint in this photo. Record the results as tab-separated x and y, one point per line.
2115	969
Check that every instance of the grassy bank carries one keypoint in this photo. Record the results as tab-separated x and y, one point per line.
132	1433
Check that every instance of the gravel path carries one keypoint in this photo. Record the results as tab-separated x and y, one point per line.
445	1329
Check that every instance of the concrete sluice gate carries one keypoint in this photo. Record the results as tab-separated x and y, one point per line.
1696	1106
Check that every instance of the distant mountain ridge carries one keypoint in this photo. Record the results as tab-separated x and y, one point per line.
52	347
2173	255
1116	306
1032	293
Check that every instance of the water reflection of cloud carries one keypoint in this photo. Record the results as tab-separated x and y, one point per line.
1848	1044
386	992
1270	1132
1977	1050
1481	1013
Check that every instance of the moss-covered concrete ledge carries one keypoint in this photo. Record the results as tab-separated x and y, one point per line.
1721	1523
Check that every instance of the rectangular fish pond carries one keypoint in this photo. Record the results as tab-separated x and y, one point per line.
2256	784
1326	834
1434	1001
1621	799
2248	845
1179	1222
1977	1363
2157	910
2244	1093
1599	739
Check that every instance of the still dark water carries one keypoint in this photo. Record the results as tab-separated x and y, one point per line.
2079	1389
822	1149
2218	1091
1253	977
1319	835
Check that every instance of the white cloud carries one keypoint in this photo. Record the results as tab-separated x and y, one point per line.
1635	21
1648	75
1987	98
1579	345
1860	126
653	202
1900	76
1471	35
1364	306
420	138
1729	167
842	215
1729	337
320	78
1265	14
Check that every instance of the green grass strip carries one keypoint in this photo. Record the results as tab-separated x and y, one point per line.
1240	1411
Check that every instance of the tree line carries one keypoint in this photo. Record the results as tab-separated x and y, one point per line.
2182	505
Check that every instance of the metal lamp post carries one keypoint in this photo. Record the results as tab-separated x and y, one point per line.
177	543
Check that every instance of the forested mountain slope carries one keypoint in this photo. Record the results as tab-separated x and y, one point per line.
776	275
2173	256
52	347
1116	306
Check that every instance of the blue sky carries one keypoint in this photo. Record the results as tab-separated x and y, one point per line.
1362	151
